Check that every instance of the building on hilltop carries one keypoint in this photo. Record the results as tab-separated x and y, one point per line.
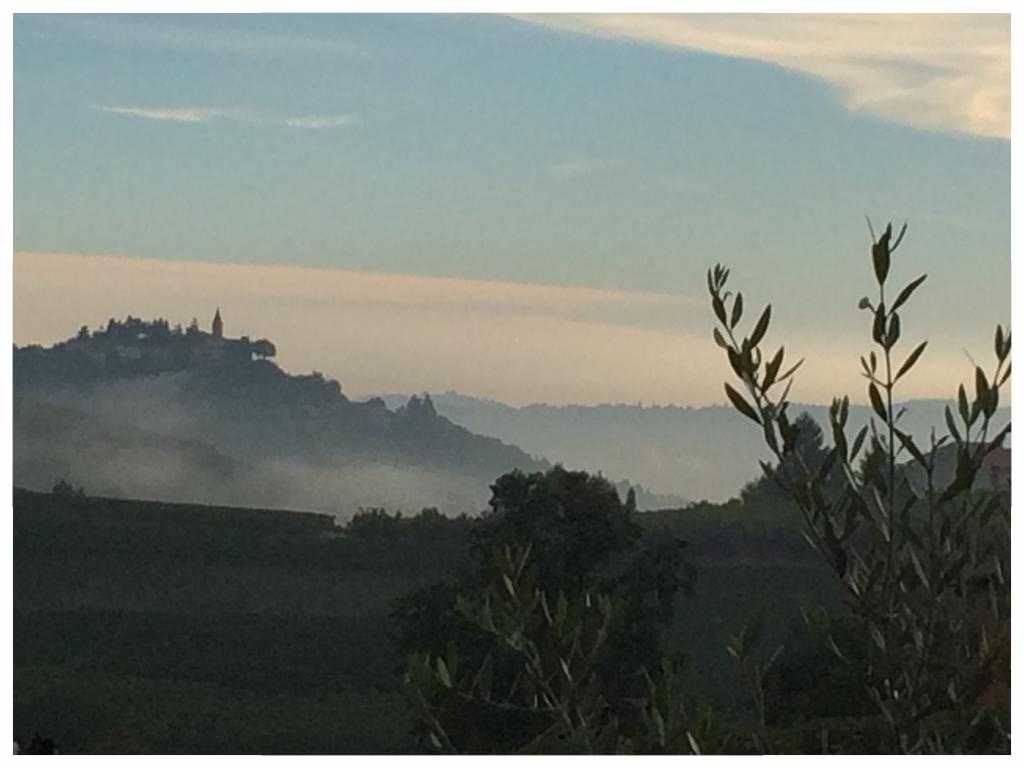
218	325
153	347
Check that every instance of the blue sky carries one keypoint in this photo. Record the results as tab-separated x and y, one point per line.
503	149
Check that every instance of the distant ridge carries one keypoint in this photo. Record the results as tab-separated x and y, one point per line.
145	409
696	452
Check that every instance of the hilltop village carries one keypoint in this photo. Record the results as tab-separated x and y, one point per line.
156	347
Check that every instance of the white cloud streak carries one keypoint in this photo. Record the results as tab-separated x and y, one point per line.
931	71
315	122
206	114
171	114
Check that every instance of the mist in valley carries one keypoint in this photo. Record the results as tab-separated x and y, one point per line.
153	437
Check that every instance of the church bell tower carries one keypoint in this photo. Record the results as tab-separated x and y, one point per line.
218	325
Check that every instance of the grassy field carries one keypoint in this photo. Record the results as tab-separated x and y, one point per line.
87	708
145	627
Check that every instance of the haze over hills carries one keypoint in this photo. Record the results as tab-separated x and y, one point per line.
145	410
141	409
706	452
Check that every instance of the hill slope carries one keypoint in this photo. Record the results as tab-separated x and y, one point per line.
241	431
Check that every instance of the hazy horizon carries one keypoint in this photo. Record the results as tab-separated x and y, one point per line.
378	333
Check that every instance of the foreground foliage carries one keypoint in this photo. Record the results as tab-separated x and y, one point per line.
921	551
925	564
543	647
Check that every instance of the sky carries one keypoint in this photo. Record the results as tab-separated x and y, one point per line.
521	208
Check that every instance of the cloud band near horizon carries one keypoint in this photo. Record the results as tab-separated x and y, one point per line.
514	342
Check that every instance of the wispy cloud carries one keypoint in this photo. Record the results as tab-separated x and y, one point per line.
187	114
320	121
172	114
206	114
932	71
